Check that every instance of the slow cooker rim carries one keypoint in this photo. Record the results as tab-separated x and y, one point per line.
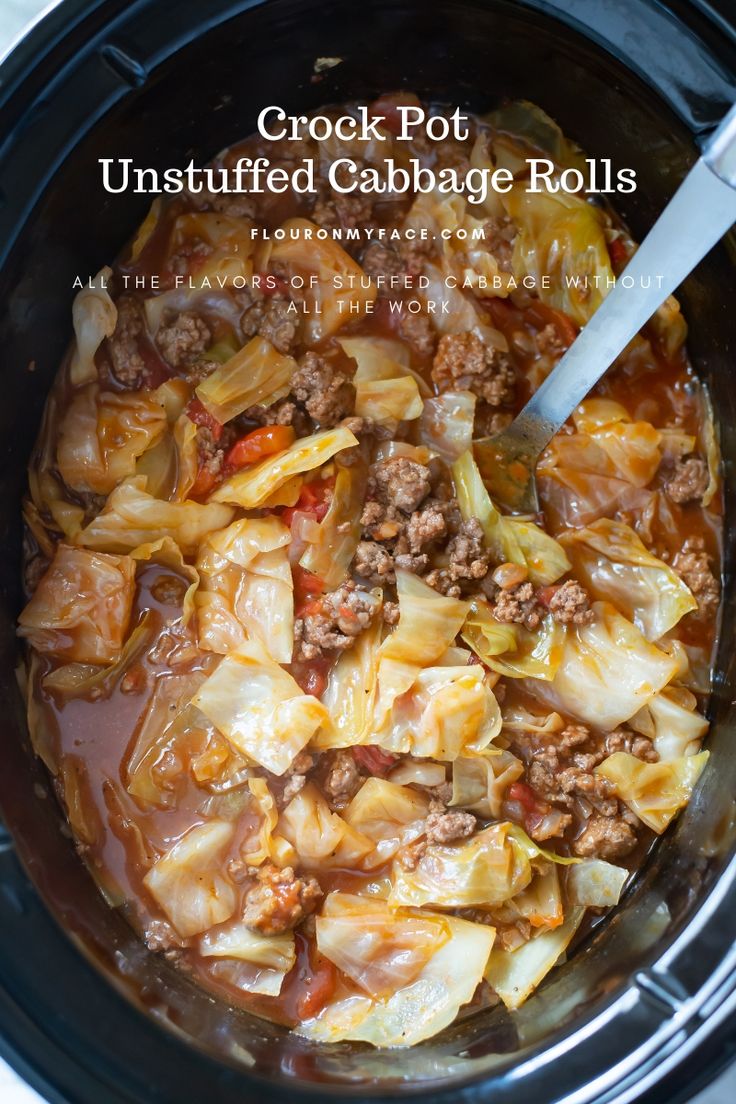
43	37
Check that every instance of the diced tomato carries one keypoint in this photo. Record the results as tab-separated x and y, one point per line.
307	587
374	759
203	484
314	498
199	414
542	314
387	106
312	676
618	253
317	982
525	795
546	594
261	442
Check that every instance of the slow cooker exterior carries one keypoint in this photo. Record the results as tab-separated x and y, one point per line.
87	1014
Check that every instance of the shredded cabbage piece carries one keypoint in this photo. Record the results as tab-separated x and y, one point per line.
512	650
251	487
632	447
384	389
76	680
257	375
479	782
347	696
594	883
269	956
322	839
671	721
81	608
329	556
446	424
654	791
94	316
514	975
167	552
389	814
266	842
188	883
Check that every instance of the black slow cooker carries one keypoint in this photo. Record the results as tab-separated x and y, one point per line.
87	1015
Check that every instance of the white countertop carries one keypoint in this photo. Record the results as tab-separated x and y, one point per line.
15	15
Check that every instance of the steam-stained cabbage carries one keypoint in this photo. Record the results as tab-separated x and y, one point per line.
270	956
512	650
633	447
337	297
265	842
514	975
446	712
562	245
671	721
256	375
613	563
485	870
188	883
384	389
510	540
251	487
320	837
428	625
94	316
330	554
102	435
608	671
654	791
390	815
167	552
260	708
479	782
81	608
131	517
246	588
422	1008
347	696
594	883
378	949
446	424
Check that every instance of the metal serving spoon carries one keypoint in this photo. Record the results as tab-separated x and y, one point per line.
698	215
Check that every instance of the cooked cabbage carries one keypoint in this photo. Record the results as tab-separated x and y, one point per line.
246	588
271	956
485	870
612	562
81	608
389	814
266	843
167	552
479	782
510	540
102	435
632	447
76	680
540	904
654	791
257	375
594	883
562	245
608	671
422	1008
188	883
320	837
512	650
251	487
672	722
260	708
384	390
514	975
337	297
446	424
131	517
94	316
329	555
347	696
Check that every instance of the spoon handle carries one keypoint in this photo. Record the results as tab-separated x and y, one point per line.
699	214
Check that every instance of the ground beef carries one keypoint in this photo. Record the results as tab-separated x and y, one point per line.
381	522
271	318
570	604
498	238
688	482
279	899
548	341
469	558
283	412
159	935
128	365
563	786
374	564
518	605
391	613
296	776
211	457
343	780
335	209
447	827
183	339
235	205
463	362
399	263
327	394
605	837
693	565
416	329
623	739
400	482
339	618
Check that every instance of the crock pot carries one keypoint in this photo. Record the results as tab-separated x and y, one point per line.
87	1014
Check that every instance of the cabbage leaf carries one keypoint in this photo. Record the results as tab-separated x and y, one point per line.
94	317
321	838
512	650
270	956
257	375
654	791
514	975
188	883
